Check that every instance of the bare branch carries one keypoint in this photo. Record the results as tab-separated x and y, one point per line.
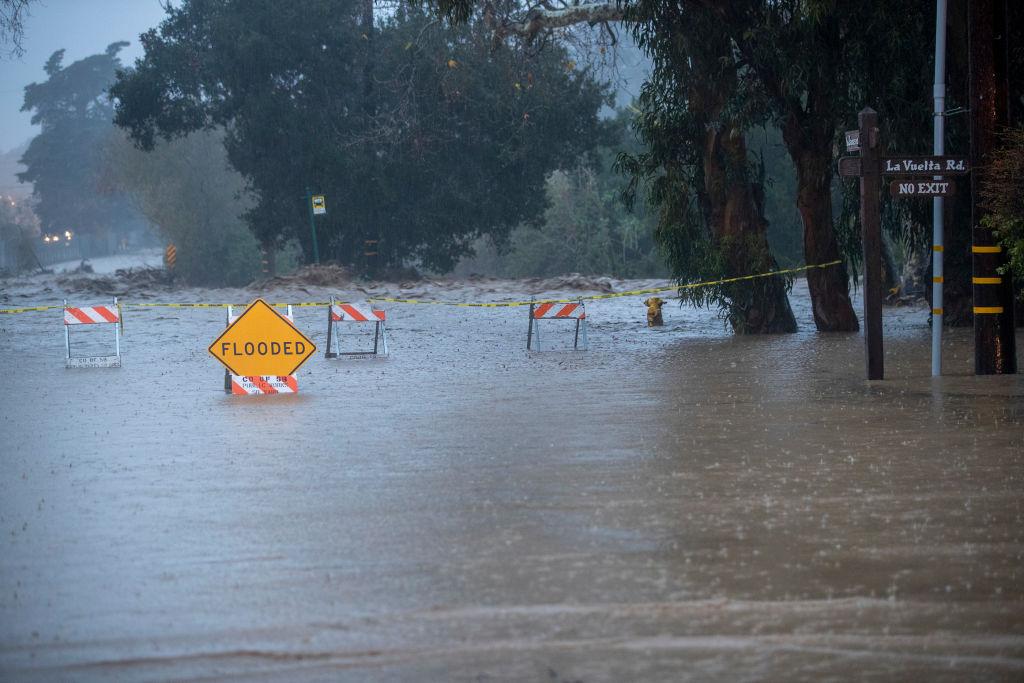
12	24
543	19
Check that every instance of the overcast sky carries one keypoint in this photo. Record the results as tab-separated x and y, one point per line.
83	28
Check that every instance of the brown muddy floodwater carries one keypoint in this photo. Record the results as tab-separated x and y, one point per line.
675	504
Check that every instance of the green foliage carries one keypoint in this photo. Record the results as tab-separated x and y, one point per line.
785	230
422	138
186	188
19	227
65	161
1003	197
672	126
586	228
708	190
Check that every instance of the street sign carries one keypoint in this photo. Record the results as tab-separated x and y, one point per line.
319	204
925	166
922	188
852	140
261	341
849	166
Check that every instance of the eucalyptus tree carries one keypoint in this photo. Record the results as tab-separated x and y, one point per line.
805	65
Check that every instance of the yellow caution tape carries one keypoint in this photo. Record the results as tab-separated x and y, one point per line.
496	304
194	305
27	309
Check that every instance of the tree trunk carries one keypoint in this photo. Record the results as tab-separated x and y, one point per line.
736	215
829	287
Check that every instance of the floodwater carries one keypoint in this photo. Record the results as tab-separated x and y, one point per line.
675	504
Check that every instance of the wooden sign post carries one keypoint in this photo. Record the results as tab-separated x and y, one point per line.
870	167
871	235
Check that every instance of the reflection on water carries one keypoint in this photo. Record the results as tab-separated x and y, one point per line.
676	503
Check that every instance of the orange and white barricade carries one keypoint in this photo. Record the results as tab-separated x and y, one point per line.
557	311
259	384
93	315
355	313
264	384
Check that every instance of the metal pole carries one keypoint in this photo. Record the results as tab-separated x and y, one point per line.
67	331
330	325
227	373
938	148
117	332
529	329
870	221
312	226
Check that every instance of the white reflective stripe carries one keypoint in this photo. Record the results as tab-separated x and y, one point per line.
273	384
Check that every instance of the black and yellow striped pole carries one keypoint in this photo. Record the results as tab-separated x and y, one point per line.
170	256
995	349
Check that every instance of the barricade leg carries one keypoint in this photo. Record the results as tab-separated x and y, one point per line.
576	337
227	373
117	332
384	337
330	332
67	334
529	330
376	337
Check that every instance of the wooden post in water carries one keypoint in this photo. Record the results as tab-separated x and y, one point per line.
871	229
995	350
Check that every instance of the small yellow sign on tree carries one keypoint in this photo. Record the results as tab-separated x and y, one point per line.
262	342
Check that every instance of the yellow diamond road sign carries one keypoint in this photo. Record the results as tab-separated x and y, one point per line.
262	342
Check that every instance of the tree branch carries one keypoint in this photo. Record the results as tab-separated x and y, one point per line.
537	19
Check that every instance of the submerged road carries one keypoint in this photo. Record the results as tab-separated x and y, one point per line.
673	505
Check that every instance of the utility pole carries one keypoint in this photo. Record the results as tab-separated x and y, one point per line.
995	351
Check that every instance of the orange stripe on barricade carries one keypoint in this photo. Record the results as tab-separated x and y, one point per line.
250	385
79	315
541	309
359	314
106	314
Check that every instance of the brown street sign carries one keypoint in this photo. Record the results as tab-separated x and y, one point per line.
849	166
925	165
922	188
